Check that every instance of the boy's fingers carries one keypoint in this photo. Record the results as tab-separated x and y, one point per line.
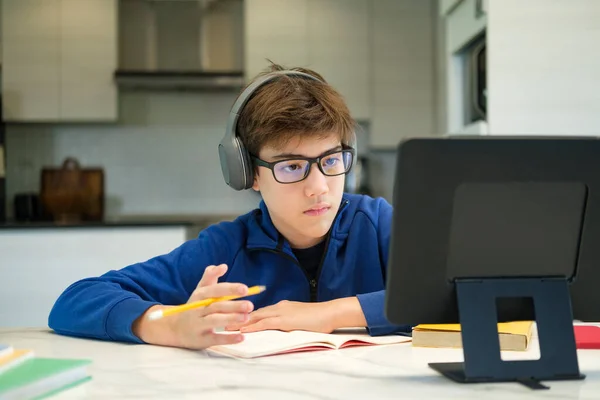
219	290
263	325
211	275
213	321
228	307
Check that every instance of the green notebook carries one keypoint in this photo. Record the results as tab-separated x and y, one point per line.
41	377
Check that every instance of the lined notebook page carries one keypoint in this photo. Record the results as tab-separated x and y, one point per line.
271	342
342	338
263	343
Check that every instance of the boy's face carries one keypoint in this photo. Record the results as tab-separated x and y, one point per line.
301	211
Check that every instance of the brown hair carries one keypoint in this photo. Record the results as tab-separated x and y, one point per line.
290	107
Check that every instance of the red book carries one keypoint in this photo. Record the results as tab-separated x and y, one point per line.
587	337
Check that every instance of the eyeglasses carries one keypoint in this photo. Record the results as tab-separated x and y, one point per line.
336	162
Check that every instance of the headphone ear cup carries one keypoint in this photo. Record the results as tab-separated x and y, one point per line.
235	163
246	165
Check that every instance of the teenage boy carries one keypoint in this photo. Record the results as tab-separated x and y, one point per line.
320	253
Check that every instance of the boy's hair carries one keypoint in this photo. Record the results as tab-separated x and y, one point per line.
292	107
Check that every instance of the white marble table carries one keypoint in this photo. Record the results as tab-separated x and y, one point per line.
122	371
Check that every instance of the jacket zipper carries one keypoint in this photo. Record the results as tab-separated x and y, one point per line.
292	259
313	283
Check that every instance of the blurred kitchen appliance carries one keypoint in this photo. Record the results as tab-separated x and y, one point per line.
475	81
71	194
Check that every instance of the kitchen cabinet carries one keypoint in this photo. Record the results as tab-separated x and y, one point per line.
88	60
402	72
59	57
37	265
31	60
329	36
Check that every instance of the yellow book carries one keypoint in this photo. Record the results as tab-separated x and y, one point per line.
513	336
16	357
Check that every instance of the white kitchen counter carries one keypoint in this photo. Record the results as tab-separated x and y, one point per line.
122	371
38	263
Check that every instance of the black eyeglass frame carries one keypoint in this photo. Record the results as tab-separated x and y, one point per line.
317	160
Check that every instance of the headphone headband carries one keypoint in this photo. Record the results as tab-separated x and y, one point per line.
245	96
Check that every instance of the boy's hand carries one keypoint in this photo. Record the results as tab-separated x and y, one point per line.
289	316
194	329
315	317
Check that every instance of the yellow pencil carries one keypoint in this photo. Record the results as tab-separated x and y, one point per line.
201	303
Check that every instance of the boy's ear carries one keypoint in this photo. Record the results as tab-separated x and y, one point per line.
255	184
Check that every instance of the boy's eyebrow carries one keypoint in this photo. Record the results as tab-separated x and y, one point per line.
292	155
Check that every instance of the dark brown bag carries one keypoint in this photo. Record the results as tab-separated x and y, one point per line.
71	193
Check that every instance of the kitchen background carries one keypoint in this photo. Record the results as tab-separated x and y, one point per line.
141	89
154	130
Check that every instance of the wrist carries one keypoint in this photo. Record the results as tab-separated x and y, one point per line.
158	331
346	313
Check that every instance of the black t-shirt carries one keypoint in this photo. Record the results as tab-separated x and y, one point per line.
310	258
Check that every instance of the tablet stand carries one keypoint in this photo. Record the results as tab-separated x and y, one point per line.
479	330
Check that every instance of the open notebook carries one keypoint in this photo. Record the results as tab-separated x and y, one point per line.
268	343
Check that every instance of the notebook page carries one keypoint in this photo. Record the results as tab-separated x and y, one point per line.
257	344
346	337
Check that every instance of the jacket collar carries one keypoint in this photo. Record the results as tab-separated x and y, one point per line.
263	234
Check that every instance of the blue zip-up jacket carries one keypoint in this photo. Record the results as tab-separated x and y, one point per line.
354	264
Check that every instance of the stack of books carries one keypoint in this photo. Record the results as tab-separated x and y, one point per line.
25	376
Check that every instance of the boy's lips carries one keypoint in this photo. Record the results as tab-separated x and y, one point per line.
317	209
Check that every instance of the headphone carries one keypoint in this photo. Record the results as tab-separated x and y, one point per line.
236	164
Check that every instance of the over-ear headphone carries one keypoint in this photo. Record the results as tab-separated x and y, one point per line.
236	165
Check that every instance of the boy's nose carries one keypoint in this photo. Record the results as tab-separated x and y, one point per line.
316	182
